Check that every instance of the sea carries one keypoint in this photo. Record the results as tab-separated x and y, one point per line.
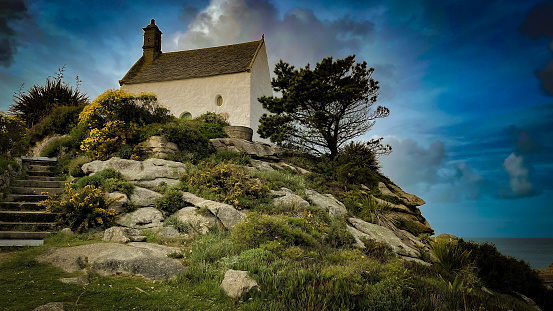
537	252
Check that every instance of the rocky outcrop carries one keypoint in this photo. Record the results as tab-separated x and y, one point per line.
147	173
254	149
328	202
116	234
201	223
110	259
286	198
227	214
159	147
142	197
237	283
142	218
362	229
120	200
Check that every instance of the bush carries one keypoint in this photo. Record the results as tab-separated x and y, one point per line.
82	210
60	121
451	256
171	201
39	101
357	164
409	226
108	179
13	140
508	275
102	143
227	183
75	166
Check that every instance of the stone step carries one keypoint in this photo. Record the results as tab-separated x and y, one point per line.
22	242
26	226
23	235
40	178
42	173
41	168
40	183
25	197
20	206
33	190
39	159
28	216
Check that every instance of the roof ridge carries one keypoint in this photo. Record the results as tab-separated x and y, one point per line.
213	47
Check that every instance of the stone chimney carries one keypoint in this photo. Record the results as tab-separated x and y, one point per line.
152	42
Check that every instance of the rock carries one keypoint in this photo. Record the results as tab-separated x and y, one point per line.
227	214
447	237
383	235
288	199
159	147
138	238
200	223
78	280
418	219
110	259
52	306
67	231
357	235
531	303
407	198
327	201
256	150
147	173
143	197
116	234
237	283
120	200
168	233
262	165
142	218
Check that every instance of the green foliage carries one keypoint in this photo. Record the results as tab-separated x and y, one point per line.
193	146
6	164
176	223
82	210
118	105
321	109
409	226
357	164
227	156
211	125
364	206
68	144
506	274
61	121
13	140
171	201
75	166
108	179
37	103
451	256
227	183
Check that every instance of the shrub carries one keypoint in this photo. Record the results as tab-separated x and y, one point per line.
357	164
82	210
75	166
364	206
409	226
451	256
108	179
171	201
174	221
61	120
228	156
104	142
228	183
506	274
12	135
119	105
40	100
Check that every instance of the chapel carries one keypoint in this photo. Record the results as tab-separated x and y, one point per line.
225	79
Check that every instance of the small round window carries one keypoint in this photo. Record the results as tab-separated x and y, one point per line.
219	100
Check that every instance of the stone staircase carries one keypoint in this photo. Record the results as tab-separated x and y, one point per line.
22	220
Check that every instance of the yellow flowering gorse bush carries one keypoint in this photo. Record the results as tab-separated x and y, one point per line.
82	209
103	142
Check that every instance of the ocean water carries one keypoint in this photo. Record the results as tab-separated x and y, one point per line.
537	252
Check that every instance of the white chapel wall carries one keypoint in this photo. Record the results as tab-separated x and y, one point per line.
260	85
199	95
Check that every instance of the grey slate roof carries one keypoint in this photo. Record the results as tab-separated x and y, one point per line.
194	63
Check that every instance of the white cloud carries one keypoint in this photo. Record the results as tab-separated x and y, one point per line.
519	173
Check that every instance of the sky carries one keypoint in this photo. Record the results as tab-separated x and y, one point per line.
469	83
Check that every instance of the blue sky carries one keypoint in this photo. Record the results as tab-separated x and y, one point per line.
469	83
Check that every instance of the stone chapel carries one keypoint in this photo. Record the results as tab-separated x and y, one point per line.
225	79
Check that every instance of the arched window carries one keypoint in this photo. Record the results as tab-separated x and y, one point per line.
186	116
219	100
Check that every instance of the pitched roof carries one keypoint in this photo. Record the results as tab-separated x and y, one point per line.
194	63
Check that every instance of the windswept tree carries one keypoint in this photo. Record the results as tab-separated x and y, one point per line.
320	110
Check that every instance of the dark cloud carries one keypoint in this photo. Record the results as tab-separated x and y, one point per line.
187	14
297	37
539	23
524	141
10	11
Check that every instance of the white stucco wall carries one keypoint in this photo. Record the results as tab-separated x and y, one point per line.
260	85
198	95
